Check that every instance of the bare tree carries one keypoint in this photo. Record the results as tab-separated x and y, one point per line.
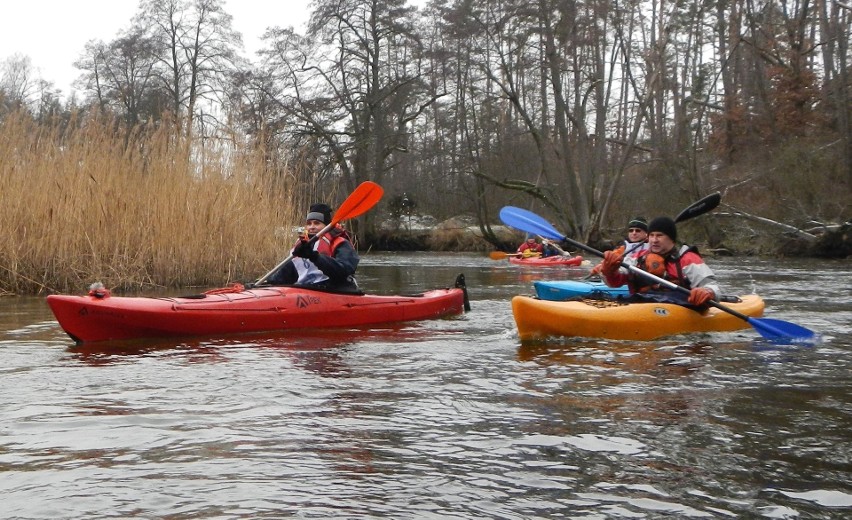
835	26
18	82
195	47
353	85
549	86
119	76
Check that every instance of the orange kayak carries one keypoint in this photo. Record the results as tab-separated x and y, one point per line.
538	319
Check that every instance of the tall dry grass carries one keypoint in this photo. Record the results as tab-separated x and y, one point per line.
79	205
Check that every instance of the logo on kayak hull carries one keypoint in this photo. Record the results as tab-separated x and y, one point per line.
659	311
304	300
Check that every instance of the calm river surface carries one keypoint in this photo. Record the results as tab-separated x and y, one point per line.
449	418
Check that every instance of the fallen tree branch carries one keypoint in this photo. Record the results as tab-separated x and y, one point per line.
735	213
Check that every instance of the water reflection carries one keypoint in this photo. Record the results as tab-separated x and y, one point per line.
626	381
649	358
302	346
107	353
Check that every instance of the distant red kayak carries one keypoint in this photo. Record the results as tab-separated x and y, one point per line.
539	261
231	311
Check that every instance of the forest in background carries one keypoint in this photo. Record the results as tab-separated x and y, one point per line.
585	112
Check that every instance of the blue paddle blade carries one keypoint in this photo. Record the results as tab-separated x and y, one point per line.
781	330
528	221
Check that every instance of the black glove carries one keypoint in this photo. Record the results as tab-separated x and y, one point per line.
305	249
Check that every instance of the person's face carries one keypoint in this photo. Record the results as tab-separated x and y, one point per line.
313	226
636	234
659	243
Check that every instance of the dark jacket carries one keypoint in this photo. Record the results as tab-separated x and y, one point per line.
340	267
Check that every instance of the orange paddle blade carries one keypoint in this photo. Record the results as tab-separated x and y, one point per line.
498	255
365	196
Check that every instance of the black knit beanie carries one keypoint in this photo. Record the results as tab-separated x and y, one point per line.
664	225
638	222
321	212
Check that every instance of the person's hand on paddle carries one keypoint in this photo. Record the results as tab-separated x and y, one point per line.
596	270
305	249
611	262
700	296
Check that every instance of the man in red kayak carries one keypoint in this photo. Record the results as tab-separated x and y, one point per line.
531	247
329	262
683	266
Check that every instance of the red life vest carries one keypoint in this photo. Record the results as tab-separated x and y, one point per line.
673	269
327	243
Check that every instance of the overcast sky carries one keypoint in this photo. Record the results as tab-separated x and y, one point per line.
53	33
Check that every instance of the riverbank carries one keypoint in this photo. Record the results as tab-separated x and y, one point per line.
461	234
244	261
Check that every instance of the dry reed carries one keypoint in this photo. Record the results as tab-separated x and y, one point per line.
80	205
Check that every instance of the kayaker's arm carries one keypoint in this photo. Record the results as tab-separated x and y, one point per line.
611	272
342	265
338	268
699	274
284	275
555	246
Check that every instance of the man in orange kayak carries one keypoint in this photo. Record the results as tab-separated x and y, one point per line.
683	266
637	235
329	262
637	240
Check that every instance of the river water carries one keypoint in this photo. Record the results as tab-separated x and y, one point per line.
450	418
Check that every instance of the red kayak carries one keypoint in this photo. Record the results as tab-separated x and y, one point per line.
99	316
539	261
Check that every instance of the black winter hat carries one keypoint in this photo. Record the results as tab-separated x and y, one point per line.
638	222
664	225
321	212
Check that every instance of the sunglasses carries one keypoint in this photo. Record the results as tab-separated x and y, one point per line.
635	230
